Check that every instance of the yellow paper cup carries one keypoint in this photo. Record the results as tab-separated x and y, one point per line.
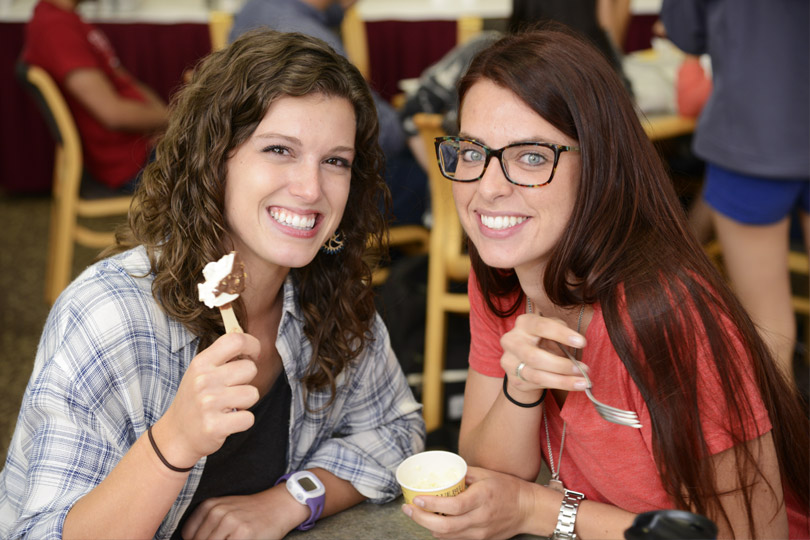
432	473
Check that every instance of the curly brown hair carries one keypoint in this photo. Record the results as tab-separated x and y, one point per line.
178	209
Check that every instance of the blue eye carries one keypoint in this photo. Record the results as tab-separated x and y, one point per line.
534	158
471	154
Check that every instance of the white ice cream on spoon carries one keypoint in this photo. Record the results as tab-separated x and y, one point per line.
224	282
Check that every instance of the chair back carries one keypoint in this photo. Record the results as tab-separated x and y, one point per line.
219	26
799	265
446	230
69	164
447	261
468	27
355	41
21	69
67	204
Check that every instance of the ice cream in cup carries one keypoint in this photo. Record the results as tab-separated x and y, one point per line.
434	472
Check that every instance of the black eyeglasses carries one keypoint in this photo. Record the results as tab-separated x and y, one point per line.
527	164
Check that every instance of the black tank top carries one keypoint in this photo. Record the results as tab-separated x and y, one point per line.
250	461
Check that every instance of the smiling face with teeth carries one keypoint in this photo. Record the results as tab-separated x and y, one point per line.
513	226
287	185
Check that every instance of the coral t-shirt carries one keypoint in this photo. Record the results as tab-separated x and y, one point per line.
609	463
59	41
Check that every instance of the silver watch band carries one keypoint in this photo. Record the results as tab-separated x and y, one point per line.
568	516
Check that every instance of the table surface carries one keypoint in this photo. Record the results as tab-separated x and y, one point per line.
372	10
130	11
372	522
174	11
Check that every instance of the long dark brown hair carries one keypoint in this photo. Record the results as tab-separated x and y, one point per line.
178	211
628	247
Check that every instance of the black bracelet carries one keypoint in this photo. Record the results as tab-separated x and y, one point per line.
519	404
163	459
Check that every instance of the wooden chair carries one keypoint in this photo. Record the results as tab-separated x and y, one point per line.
355	41
411	239
219	26
799	264
67	205
447	262
408	239
468	27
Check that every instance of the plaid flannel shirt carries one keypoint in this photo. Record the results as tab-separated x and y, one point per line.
108	366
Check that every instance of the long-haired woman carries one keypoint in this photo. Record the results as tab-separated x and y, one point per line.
578	240
143	417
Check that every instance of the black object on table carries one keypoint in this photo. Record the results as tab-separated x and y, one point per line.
671	525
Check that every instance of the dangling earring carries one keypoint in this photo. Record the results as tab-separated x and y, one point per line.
335	244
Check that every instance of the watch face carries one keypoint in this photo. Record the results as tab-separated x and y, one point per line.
307	484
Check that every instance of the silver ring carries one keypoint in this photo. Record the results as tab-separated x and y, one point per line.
519	370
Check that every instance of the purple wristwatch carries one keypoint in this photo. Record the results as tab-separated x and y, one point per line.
306	489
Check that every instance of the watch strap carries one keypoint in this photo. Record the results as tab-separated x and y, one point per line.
315	511
568	516
315	505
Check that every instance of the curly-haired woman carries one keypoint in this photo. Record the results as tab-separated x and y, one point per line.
142	417
578	240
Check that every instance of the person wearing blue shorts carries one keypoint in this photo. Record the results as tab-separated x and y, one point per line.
754	134
752	216
753	200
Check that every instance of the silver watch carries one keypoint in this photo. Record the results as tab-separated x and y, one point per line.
568	516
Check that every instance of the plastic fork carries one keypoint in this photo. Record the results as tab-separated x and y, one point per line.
611	414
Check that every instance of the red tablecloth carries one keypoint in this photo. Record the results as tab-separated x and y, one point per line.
156	54
403	49
639	32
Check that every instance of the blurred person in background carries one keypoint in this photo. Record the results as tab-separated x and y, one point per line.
321	19
602	22
116	115
754	134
